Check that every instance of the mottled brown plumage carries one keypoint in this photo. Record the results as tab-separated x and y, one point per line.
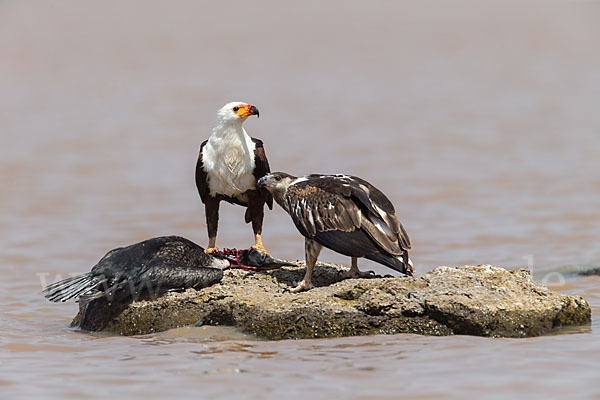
345	214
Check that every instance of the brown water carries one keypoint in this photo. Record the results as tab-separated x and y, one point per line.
481	123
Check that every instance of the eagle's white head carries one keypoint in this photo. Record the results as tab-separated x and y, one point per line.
236	112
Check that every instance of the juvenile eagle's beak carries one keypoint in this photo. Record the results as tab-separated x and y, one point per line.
262	182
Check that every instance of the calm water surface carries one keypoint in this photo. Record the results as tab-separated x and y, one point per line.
481	124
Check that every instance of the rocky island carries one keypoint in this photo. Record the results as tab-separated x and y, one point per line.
473	300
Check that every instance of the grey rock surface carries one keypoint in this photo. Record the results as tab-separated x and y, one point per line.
475	300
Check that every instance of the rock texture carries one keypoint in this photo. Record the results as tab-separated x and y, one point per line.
474	300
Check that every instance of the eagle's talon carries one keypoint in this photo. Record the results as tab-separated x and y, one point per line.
261	249
302	287
368	275
358	274
211	250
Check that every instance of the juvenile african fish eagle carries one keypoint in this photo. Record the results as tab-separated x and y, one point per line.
229	164
345	214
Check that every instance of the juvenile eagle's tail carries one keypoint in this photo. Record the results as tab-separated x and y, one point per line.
400	263
71	288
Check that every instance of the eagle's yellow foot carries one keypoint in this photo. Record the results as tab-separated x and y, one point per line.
211	250
302	287
262	249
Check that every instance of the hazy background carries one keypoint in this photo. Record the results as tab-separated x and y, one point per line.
480	121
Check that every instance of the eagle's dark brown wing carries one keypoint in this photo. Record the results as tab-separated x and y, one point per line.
380	205
319	209
201	176
261	168
372	201
324	204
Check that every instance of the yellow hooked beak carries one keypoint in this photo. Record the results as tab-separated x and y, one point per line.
245	110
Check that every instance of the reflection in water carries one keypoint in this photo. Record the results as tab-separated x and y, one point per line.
479	121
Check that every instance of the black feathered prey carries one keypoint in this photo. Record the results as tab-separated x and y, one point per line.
126	274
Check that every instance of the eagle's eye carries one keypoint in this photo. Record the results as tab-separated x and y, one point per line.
235	109
277	178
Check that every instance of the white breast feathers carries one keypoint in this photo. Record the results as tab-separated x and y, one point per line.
228	159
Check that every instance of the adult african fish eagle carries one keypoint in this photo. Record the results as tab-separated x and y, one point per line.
345	214
229	164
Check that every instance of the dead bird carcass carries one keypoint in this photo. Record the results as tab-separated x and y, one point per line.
146	270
